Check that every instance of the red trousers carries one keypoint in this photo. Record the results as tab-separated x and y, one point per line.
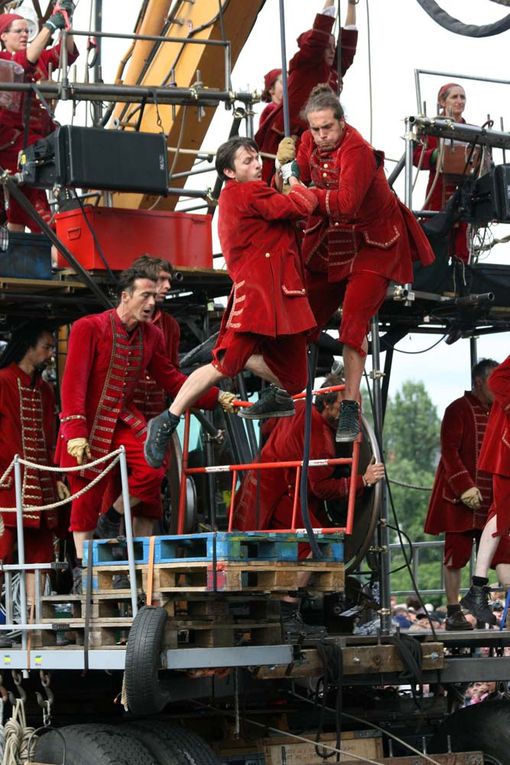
459	544
285	355
144	484
500	504
361	296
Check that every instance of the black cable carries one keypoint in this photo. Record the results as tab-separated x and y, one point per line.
458	27
303	487
101	254
412	353
331	657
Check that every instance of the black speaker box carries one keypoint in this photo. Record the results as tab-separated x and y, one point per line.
93	158
490	199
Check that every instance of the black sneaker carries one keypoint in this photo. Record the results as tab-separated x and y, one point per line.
159	432
106	528
273	402
348	428
456	622
476	601
296	630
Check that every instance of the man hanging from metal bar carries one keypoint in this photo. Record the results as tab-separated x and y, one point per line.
265	325
316	61
359	239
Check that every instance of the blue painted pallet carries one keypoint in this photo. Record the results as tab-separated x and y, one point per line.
106	551
242	546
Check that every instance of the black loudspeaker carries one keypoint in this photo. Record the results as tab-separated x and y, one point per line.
489	198
79	157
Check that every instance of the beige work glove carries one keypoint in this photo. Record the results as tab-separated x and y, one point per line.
62	490
79	449
472	498
225	400
286	152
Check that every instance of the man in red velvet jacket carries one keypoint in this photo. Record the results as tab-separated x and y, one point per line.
265	498
315	62
108	354
462	493
265	325
27	424
495	459
359	239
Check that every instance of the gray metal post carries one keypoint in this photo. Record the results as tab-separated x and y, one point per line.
286	113
21	547
129	529
97	107
382	533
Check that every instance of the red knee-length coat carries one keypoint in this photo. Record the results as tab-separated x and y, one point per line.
462	432
495	451
256	226
360	224
270	504
306	70
27	425
103	368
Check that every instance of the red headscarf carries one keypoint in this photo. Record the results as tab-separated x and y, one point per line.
443	90
269	80
6	20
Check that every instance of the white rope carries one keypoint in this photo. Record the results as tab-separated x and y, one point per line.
79	493
17	737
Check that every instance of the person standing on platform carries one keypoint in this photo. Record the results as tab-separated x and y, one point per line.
265	325
29	120
109	353
316	61
359	239
462	494
494	459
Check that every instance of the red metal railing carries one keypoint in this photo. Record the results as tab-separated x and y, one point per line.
353	461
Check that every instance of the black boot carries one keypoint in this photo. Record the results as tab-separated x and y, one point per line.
273	402
294	629
476	601
348	422
159	433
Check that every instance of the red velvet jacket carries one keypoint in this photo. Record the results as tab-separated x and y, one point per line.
495	452
360	224
275	493
12	123
103	367
150	398
27	424
306	70
258	239
462	432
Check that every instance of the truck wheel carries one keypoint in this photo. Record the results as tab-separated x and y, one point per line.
481	727
92	745
170	745
143	662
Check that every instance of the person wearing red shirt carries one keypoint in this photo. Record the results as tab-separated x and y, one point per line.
265	498
316	61
15	131
108	354
265	325
494	459
451	102
359	239
462	493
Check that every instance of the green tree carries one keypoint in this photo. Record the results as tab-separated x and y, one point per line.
411	428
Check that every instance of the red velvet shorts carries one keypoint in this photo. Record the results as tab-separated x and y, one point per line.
38	544
285	356
458	546
500	504
361	296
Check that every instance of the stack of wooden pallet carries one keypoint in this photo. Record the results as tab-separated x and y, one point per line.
218	588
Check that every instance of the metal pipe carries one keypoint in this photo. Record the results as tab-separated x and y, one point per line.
383	533
98	27
285	100
21	546
129	529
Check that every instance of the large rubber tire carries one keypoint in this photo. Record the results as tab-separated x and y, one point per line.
170	745
481	727
143	662
92	745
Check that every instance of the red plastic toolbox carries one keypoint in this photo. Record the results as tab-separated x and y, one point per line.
182	238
